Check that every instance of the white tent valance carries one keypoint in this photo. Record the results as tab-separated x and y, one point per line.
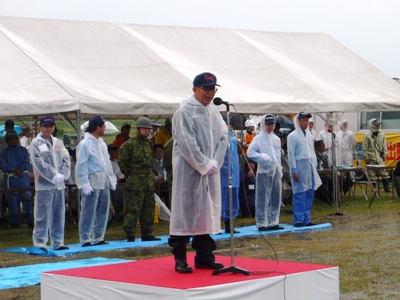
50	66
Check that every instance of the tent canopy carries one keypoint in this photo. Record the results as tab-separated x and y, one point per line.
51	66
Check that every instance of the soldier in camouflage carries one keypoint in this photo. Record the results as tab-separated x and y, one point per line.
167	161
135	160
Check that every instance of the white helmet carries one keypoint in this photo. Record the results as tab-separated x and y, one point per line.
249	123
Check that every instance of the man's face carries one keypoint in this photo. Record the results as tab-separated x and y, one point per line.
270	127
159	154
144	131
251	128
303	123
204	94
112	153
12	142
47	130
125	130
311	125
321	147
101	129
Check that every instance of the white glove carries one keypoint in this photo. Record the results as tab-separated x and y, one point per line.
113	187
266	157
87	189
59	178
214	167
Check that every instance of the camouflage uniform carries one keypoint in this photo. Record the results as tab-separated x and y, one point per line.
167	161
135	160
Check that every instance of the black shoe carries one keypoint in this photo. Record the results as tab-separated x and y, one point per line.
228	230
183	268
62	248
212	265
298	225
311	224
276	227
130	239
43	249
149	237
87	244
387	190
263	228
14	226
100	243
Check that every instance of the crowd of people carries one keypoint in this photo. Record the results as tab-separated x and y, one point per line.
210	171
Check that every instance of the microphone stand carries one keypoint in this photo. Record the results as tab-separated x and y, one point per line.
231	268
334	178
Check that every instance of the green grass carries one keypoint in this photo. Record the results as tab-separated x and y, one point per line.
364	243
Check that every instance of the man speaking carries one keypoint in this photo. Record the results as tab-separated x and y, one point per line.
200	142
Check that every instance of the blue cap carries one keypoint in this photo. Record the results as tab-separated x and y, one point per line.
269	118
47	120
9	123
205	79
304	115
167	122
95	121
11	134
376	121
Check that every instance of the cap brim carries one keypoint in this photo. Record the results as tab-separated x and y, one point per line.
209	84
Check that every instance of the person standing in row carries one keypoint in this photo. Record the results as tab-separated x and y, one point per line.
95	177
250	135
135	161
346	145
374	150
14	161
200	142
303	170
51	166
265	149
235	183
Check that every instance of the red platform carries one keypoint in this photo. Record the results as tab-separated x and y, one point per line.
156	279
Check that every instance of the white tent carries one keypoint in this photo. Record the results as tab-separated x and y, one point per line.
49	66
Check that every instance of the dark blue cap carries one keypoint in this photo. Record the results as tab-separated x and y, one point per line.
11	134
304	115
48	120
205	79
96	121
9	123
167	121
269	118
376	121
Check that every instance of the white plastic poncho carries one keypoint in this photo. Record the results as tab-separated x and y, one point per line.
302	159
265	149
93	164
200	135
269	144
326	136
346	145
47	161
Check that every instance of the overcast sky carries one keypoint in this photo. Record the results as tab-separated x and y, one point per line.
370	28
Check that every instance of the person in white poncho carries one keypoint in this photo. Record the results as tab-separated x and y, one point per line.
346	144
200	142
303	170
265	149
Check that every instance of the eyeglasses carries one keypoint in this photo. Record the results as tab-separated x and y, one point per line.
208	89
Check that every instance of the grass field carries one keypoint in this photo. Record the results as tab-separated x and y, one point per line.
364	243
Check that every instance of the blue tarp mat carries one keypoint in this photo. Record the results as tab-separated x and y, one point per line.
16	277
117	245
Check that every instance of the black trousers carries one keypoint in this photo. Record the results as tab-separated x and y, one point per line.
203	244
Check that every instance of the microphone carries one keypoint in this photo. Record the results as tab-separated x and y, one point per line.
331	131
219	101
